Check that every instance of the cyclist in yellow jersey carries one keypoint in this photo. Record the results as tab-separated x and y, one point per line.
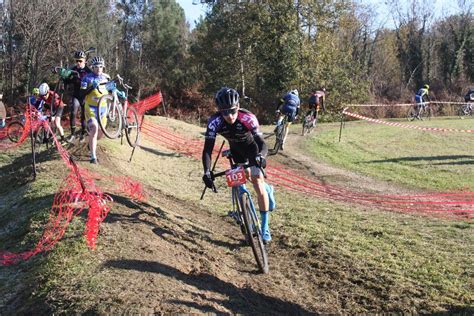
92	91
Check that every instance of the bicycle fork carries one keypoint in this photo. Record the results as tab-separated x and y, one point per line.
235	214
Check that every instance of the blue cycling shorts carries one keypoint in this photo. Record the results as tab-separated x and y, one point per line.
290	111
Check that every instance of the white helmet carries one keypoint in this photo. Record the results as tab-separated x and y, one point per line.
295	92
43	88
98	61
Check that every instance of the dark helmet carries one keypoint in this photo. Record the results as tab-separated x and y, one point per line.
227	98
323	89
79	55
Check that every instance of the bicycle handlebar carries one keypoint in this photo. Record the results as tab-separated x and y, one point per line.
245	166
117	78
120	80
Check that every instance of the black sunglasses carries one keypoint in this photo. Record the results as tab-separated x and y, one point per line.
79	60
229	112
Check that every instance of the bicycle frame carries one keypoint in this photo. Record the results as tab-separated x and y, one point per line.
124	118
280	133
244	211
239	192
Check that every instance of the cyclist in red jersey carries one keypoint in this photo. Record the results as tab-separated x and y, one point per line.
49	98
317	100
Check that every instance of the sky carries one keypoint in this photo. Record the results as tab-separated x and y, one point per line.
193	12
442	8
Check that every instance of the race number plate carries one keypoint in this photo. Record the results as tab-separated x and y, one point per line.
235	177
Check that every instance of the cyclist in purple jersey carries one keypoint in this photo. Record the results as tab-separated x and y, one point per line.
240	127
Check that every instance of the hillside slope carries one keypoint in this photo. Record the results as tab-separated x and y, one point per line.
174	253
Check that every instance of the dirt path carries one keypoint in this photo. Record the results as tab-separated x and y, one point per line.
169	255
295	157
180	258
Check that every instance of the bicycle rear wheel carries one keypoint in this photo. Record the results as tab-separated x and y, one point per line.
132	128
15	130
278	138
283	133
306	125
112	125
254	233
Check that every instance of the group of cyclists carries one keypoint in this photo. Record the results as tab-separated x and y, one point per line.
84	83
422	99
290	104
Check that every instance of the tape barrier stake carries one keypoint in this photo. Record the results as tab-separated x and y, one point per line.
342	123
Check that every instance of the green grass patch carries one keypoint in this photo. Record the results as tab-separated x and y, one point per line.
426	160
400	261
24	211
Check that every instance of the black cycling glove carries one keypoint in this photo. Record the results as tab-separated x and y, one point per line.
208	179
261	161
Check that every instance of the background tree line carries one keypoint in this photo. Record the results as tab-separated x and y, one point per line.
263	48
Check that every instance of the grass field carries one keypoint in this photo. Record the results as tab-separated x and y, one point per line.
359	259
416	159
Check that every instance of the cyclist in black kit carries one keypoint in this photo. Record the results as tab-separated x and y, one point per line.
241	129
74	77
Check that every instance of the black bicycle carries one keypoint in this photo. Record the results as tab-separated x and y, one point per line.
280	132
310	121
42	136
243	210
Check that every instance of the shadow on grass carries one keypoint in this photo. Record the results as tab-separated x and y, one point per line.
20	171
466	159
238	300
157	152
191	234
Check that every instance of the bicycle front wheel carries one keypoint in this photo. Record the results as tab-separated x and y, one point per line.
15	131
464	110
427	113
132	128
412	113
109	116
254	233
40	140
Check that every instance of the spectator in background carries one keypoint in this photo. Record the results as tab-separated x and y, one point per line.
3	112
